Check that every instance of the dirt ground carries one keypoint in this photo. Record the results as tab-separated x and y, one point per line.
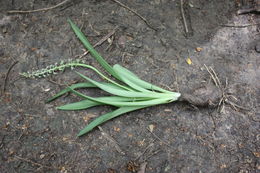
35	137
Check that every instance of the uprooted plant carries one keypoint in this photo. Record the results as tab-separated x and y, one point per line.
128	94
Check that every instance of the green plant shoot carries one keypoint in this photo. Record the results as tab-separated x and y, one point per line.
128	93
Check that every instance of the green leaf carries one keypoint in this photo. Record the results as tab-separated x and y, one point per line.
119	103
125	78
103	76
80	85
126	71
124	93
107	117
74	86
90	48
84	104
132	77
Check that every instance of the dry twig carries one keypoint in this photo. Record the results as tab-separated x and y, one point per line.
157	137
145	150
112	141
240	26
184	18
7	74
137	14
39	10
142	168
213	76
100	41
35	163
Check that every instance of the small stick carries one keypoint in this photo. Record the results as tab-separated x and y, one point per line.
2	142
140	16
152	154
240	26
184	18
142	168
7	74
236	105
157	137
34	163
112	141
101	41
212	75
54	82
216	77
38	10
254	9
145	150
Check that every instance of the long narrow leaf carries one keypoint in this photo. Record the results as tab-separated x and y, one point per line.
93	52
74	86
80	85
116	103
84	104
107	117
103	76
127	71
137	80
125	78
124	93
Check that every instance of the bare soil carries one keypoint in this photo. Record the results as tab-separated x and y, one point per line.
35	137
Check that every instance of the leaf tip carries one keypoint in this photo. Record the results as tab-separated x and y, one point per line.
49	100
69	20
59	108
80	134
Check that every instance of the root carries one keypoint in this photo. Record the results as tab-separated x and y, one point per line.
212	95
208	95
